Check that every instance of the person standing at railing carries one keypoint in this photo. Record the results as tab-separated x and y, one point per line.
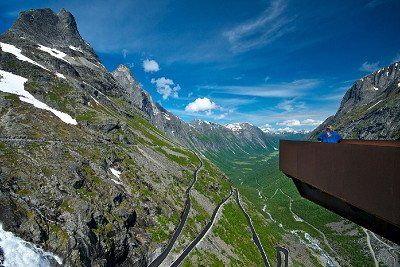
330	136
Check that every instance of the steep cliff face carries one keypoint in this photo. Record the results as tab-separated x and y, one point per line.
84	173
370	109
96	172
134	93
199	135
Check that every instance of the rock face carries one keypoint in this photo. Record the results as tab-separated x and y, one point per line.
105	191
133	91
233	137
199	135
109	189
46	27
370	109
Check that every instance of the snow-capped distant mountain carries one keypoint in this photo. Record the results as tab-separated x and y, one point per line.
288	130
234	127
239	126
283	131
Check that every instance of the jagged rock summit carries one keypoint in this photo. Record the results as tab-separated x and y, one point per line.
133	91
46	27
370	109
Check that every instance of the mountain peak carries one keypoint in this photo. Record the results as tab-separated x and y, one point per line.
124	75
124	69
46	27
371	87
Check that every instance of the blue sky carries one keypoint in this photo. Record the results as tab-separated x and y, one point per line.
283	63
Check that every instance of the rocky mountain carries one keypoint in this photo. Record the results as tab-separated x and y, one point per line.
93	172
370	109
140	99
199	135
85	173
214	137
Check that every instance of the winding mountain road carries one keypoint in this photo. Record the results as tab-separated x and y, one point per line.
202	234
253	231
50	141
157	261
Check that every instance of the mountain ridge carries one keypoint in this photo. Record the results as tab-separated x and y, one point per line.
107	190
370	108
111	189
197	134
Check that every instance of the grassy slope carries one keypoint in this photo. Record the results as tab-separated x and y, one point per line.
139	133
259	171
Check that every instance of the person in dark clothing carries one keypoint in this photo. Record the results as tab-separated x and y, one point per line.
330	136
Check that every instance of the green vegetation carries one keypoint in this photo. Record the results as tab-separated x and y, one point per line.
161	232
87	116
258	178
234	230
203	258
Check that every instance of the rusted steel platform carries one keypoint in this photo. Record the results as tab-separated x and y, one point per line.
359	180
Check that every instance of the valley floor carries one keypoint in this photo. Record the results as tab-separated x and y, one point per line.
313	235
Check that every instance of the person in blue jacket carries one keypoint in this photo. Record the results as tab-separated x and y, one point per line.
330	136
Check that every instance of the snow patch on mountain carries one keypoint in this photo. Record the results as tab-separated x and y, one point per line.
8	48
115	172
53	52
375	104
236	127
59	75
167	117
288	130
75	48
14	84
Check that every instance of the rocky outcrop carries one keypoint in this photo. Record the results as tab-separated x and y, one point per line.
200	135
370	109
45	27
103	191
133	92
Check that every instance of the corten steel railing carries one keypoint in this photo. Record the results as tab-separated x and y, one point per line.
359	180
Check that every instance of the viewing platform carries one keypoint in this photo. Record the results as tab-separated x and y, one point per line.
357	179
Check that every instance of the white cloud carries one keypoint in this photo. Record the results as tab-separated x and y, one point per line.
267	128
375	3
369	67
124	52
290	105
267	78
166	87
201	104
289	123
311	122
150	65
283	89
295	122
286	129
259	31
221	116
